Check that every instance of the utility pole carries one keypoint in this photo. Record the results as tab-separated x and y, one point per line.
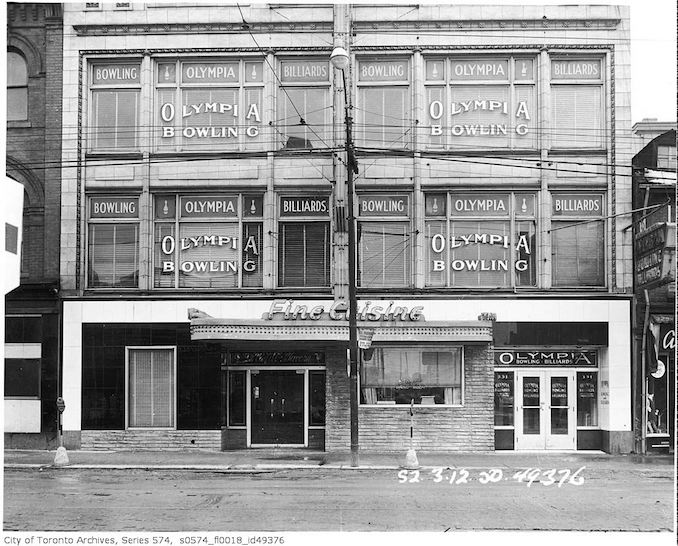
340	60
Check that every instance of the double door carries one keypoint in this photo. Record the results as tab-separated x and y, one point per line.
545	410
277	406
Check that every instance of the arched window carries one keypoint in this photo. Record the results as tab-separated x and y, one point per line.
17	87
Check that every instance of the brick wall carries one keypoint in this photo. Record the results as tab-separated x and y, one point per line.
469	427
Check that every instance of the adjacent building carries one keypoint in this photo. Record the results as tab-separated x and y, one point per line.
654	234
204	226
33	159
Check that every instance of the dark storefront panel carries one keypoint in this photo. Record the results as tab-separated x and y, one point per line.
549	334
103	375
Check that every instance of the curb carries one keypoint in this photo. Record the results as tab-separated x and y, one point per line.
234	469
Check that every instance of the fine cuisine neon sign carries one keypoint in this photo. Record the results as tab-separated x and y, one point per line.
289	310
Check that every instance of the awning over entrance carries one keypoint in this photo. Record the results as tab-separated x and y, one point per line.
214	329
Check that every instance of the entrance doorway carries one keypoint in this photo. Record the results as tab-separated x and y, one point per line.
545	410
277	407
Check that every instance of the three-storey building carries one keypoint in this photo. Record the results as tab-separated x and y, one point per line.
205	226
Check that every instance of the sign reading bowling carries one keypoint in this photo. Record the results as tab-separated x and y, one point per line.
114	207
384	205
115	73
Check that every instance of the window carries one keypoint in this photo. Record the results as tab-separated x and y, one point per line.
503	398
151	390
304	242
385	240
578	240
304	95
484	240
384	104
114	117
209	105
400	375
587	399
316	389
113	243
22	377
666	157
577	103
208	241
481	102
236	398
17	87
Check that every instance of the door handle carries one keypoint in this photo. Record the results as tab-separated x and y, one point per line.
283	407
271	408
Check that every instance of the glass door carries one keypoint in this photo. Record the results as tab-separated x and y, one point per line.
545	410
530	429
561	416
277	405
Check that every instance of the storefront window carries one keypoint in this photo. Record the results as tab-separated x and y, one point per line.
480	240
303	115
578	240
385	240
209	105
587	399
113	242
577	103
304	242
658	399
503	398
316	389
383	109
480	103
400	375
151	400
218	244
236	398
114	114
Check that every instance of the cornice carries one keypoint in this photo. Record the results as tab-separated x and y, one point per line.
203	28
463	25
485	25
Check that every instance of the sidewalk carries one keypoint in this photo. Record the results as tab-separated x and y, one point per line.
271	459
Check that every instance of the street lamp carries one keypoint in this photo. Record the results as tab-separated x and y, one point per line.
340	60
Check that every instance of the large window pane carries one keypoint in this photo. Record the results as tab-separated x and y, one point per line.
577	115
587	399
384	115
205	260
113	256
578	253
503	398
311	104
115	119
479	263
236	398
17	87
400	375
384	254
317	398
304	254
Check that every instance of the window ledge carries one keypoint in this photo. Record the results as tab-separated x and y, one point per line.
19	124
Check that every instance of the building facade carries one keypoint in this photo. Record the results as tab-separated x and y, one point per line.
654	228
204	255
33	153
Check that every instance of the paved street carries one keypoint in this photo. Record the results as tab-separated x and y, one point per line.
627	497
